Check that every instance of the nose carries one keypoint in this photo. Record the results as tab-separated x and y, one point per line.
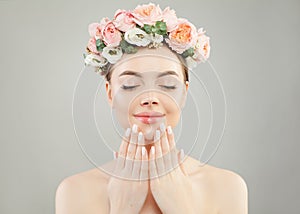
149	101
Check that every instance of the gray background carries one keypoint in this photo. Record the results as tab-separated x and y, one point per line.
255	49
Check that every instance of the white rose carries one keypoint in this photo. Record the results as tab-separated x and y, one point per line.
190	62
157	38
95	60
156	41
137	37
112	54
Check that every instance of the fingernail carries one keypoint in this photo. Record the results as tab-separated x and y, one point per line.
157	135
162	127
181	154
134	128
169	130
143	150
127	133
115	155
152	150
140	136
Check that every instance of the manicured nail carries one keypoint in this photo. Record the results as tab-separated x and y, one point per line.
134	128
143	150
162	127
127	133
115	155
169	130
152	150
140	136
157	135
181	154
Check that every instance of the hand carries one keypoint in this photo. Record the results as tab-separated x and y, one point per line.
127	194
170	185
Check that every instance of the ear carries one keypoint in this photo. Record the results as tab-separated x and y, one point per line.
186	87
108	93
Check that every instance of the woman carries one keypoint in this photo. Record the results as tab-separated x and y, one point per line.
147	88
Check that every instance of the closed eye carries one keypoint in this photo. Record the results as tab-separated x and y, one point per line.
129	87
168	87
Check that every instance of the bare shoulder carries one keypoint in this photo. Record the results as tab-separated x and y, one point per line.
232	192
82	193
227	188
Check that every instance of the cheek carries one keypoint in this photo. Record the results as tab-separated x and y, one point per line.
173	113
121	108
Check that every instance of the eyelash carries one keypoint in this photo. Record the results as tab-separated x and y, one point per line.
133	87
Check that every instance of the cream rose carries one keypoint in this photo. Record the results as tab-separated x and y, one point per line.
147	14
112	54
183	37
137	37
95	60
190	62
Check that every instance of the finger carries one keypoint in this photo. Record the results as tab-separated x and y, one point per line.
163	139
138	158
165	149
153	171
172	146
122	151
131	150
160	165
144	165
171	138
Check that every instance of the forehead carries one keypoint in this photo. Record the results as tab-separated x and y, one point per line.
148	60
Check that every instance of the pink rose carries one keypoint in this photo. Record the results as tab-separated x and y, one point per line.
202	48
147	14
92	45
123	20
111	35
183	37
95	30
104	22
170	18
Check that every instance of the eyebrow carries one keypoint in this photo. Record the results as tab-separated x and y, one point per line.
138	75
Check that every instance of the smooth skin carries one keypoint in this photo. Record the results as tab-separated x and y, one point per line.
191	187
184	189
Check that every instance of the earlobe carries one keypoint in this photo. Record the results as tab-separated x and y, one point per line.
184	99
108	92
186	85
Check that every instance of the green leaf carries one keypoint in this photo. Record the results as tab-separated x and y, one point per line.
131	49
124	44
188	52
161	28
154	29
100	45
161	25
147	28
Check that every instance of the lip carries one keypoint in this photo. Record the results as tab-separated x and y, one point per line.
149	117
149	114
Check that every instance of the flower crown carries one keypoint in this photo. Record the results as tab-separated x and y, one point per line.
147	25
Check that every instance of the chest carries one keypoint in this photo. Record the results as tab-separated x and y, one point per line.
150	205
204	198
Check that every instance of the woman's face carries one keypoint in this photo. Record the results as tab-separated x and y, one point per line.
147	88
